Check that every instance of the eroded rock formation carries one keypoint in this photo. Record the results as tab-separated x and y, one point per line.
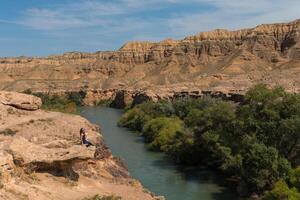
41	157
21	101
217	61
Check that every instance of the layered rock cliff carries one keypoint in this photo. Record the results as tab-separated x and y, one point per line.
41	157
220	60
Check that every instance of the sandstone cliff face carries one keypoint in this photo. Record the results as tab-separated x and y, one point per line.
41	157
211	61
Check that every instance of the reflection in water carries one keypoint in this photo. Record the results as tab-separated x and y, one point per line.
156	172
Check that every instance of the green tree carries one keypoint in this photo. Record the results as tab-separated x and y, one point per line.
161	132
294	178
134	119
288	139
272	116
217	116
262	167
281	191
181	148
182	106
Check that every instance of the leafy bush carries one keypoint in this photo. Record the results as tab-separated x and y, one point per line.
295	178
67	103
181	148
107	102
273	117
134	119
27	91
183	106
58	103
281	191
262	167
161	131
76	97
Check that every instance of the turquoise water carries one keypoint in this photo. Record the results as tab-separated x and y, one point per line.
154	170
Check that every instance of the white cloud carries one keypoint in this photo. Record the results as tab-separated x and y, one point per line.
231	13
68	16
235	14
107	21
84	13
45	19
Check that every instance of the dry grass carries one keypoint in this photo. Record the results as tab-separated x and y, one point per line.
98	197
17	194
8	132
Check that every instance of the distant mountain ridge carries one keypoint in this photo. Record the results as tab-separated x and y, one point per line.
215	60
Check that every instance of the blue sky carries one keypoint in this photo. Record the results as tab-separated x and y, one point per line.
43	27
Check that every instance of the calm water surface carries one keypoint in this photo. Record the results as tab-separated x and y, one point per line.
154	170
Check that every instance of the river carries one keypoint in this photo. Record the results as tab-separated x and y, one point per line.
154	170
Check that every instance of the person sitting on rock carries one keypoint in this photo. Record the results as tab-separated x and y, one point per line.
83	136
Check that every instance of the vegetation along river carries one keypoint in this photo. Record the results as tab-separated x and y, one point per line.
154	170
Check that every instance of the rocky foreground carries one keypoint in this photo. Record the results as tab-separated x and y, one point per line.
41	157
216	61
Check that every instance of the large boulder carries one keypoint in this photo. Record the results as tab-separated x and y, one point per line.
35	153
20	101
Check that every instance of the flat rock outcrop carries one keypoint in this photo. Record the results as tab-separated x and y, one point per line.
21	101
219	59
41	156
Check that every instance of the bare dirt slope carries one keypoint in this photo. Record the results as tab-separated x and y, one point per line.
41	157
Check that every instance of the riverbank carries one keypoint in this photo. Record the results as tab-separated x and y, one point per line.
156	171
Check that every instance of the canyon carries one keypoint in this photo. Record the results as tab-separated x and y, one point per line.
41	155
220	62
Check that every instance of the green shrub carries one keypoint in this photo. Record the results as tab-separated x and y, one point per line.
182	106
67	103
181	148
295	178
27	91
76	97
273	117
107	102
262	167
281	191
134	119
160	132
215	116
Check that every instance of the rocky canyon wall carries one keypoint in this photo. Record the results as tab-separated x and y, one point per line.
216	61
